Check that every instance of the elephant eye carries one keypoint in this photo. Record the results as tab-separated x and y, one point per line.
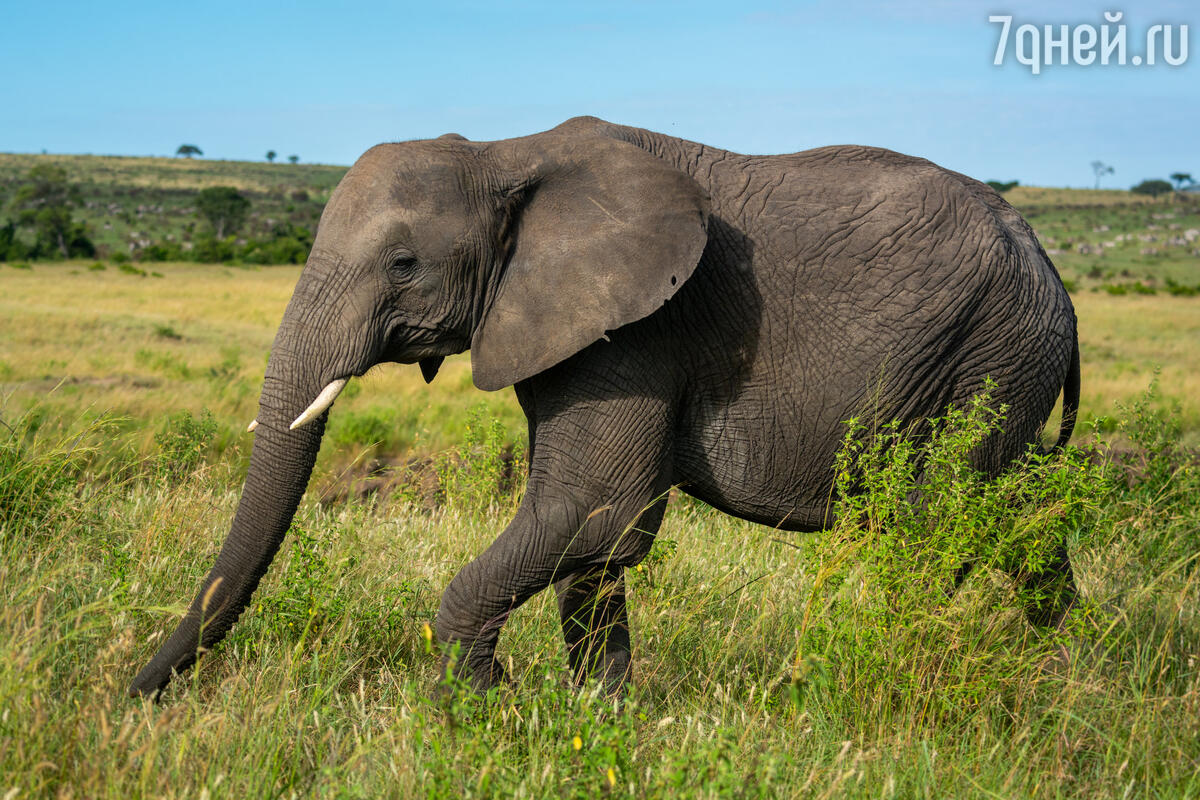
403	263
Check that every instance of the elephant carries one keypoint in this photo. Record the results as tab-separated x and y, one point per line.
670	315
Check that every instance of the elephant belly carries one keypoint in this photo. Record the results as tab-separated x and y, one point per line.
757	458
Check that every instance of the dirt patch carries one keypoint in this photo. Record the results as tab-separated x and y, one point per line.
419	479
50	382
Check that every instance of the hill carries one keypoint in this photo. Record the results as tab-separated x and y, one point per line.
145	207
132	203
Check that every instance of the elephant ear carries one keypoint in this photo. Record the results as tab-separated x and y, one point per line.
605	233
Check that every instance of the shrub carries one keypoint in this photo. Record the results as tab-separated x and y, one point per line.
1153	187
911	512
479	472
97	267
182	441
169	251
209	249
366	427
1181	290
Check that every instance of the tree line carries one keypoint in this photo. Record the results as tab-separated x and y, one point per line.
42	224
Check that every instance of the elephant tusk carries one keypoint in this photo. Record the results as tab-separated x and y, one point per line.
324	400
253	424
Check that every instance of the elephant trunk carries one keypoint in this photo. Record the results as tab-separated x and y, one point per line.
280	467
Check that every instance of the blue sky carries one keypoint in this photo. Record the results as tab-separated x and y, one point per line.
327	80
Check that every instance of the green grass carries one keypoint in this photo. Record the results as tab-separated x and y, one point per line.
140	349
767	664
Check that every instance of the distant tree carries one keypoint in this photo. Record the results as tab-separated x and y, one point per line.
1100	169
45	202
1181	179
1003	186
293	158
1152	186
224	207
11	248
188	150
271	156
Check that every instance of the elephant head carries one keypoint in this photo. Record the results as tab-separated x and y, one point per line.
525	251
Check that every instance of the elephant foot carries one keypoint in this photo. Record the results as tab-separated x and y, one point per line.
471	668
1050	593
611	669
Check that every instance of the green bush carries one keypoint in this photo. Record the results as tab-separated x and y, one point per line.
183	441
912	512
208	249
367	427
480	472
1181	290
163	251
1153	187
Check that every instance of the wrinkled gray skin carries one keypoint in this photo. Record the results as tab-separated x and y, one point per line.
669	314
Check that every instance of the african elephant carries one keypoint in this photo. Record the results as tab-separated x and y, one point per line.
669	314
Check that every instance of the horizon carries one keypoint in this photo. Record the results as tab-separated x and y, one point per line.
1194	187
141	80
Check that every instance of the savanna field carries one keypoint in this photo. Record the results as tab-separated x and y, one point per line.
767	663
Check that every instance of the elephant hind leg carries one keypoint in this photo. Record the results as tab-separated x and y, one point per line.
1049	593
595	624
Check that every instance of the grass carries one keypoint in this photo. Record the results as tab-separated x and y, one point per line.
140	349
767	664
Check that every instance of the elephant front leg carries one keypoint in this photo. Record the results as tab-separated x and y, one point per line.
595	497
552	539
595	624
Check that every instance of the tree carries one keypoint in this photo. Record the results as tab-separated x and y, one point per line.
188	150
1003	186
11	248
271	156
224	207
44	202
293	158
1152	186
1100	169
1181	178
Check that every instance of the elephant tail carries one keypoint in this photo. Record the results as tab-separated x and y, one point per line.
1070	398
